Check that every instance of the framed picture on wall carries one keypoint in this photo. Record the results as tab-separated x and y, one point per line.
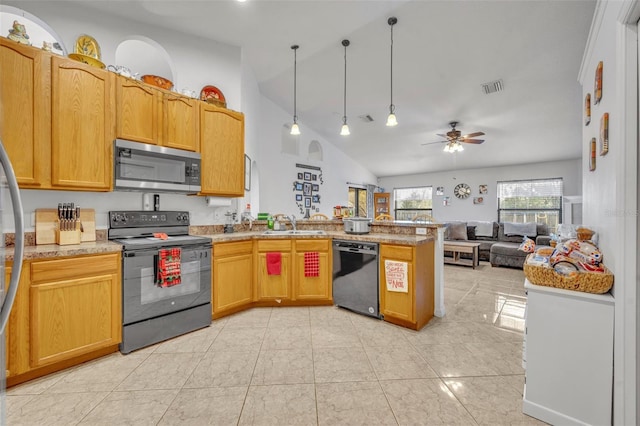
298	186
300	176
307	202
314	177
597	89
315	187
440	190
307	176
482	189
587	109
604	134
316	198
478	200
298	197
592	155
306	189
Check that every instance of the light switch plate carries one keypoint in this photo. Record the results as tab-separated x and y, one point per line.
421	231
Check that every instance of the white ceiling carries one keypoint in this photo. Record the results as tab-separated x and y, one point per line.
443	52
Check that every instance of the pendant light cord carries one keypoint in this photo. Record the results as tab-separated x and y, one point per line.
295	83
345	43
392	21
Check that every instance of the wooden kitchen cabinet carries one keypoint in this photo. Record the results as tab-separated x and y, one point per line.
232	277
154	116
25	96
313	288
75	307
381	203
274	287
83	126
222	151
414	308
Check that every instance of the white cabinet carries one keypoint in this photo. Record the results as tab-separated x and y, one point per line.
569	356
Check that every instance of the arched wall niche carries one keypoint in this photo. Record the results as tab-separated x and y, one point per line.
38	30
143	55
315	151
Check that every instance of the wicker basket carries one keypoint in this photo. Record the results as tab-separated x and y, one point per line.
584	234
589	282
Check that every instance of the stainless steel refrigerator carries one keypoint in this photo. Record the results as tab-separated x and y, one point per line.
10	206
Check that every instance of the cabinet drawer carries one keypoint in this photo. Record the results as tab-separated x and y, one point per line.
397	252
60	269
230	249
272	245
312	245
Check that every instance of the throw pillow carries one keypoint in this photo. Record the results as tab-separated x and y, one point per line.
458	231
471	232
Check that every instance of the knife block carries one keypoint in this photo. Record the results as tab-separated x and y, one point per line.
47	226
65	238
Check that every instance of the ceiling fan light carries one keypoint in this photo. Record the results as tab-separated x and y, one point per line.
295	130
391	120
446	148
344	131
459	147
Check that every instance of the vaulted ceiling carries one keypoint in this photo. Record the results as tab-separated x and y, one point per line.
443	52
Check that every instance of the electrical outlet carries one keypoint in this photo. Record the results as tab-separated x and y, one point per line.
216	215
421	231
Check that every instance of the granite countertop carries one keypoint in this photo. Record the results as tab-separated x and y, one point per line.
54	250
402	239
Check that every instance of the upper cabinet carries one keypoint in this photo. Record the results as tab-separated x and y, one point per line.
83	126
222	151
25	96
154	116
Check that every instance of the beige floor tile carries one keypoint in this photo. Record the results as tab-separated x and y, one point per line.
383	335
102	374
287	338
341	365
424	402
334	337
289	317
490	400
14	403
161	371
355	403
210	406
503	357
38	386
256	317
455	360
281	367
223	369
479	305
453	295
196	341
55	409
327	316
143	407
280	405
398	363
443	332
238	339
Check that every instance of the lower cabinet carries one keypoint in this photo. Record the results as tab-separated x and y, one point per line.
313	288
413	308
275	286
66	311
232	277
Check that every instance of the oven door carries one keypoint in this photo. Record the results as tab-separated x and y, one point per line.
143	299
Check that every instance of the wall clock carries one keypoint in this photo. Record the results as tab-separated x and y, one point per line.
462	190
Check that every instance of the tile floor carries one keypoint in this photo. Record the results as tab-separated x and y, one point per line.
310	366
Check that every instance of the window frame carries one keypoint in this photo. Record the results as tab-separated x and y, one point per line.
428	211
501	211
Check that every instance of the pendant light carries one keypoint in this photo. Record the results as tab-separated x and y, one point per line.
295	130
391	120
344	131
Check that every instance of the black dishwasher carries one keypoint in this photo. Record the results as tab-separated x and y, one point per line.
355	277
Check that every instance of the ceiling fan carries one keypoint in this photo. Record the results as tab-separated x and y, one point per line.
454	138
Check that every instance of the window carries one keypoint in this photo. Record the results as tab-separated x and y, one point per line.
412	202
538	201
358	200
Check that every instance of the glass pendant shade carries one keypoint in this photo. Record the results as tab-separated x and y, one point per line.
344	131
295	130
391	120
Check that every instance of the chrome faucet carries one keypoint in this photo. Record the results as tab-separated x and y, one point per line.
292	219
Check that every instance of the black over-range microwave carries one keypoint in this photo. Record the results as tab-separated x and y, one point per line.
144	167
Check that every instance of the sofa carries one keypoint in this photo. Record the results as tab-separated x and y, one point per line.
498	246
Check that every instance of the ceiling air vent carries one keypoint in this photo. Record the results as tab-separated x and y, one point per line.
493	87
366	118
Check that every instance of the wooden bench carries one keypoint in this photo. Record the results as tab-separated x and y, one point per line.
457	247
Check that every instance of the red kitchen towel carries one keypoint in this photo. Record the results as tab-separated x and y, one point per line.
168	267
274	263
311	264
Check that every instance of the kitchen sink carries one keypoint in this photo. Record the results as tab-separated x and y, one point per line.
296	232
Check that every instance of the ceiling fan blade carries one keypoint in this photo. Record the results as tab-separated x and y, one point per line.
476	141
473	135
432	143
441	135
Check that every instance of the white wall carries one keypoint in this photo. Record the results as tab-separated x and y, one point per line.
610	196
465	210
278	170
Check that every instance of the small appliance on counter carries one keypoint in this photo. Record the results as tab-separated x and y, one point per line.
357	225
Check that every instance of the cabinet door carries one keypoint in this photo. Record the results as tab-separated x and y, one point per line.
138	115
277	286
313	288
75	307
222	150
398	305
181	122
25	121
83	126
232	276
16	341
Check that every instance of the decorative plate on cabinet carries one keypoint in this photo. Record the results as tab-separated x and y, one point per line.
87	46
89	60
213	95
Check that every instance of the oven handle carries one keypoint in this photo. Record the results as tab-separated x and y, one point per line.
151	252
